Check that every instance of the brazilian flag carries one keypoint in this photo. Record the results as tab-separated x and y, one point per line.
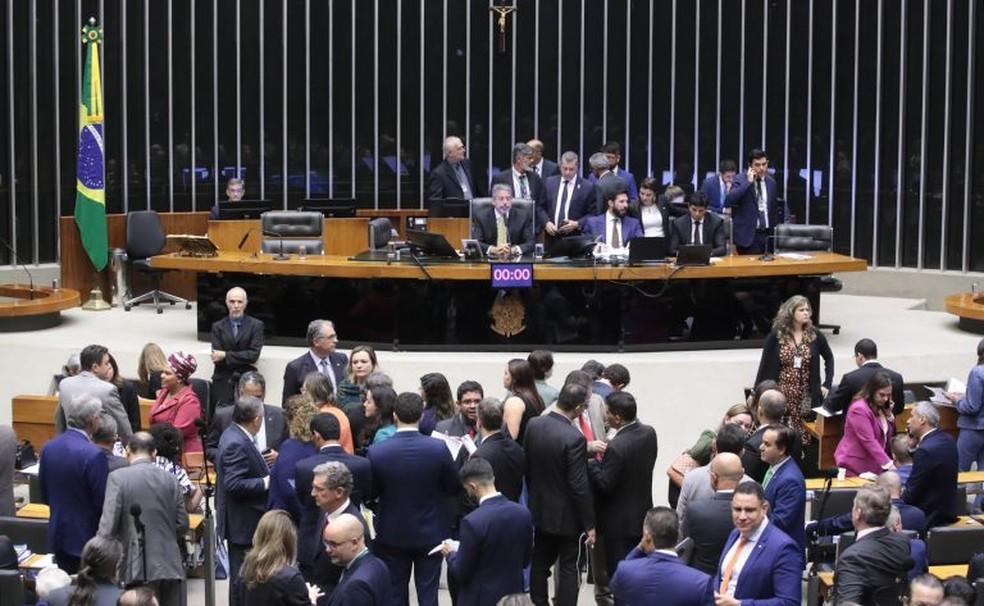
90	196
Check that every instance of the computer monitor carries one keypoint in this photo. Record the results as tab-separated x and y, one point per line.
448	207
574	247
243	209
431	244
330	207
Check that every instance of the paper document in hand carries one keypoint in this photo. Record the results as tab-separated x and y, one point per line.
454	544
939	398
955	385
453	443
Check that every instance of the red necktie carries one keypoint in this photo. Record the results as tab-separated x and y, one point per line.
586	430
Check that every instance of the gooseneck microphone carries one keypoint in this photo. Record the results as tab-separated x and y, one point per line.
16	259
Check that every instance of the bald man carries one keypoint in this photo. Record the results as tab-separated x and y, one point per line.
708	521
366	580
541	166
453	178
237	341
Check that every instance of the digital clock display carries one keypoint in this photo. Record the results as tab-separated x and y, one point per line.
512	275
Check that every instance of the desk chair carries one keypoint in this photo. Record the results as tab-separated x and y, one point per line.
144	239
479	204
380	233
292	230
790	237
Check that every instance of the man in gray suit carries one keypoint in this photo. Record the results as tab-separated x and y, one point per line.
93	380
156	493
8	459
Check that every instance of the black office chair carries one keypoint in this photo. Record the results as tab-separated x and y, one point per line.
838	501
380	233
144	239
947	545
12	588
291	230
26	531
791	237
477	204
203	389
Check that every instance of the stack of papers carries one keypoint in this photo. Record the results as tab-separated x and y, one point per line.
939	393
454	443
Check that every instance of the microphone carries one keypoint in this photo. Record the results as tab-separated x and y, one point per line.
245	237
829	472
30	278
135	512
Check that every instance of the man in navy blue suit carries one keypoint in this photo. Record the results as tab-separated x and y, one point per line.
320	357
243	480
413	475
569	197
784	485
365	580
754	205
718	186
541	166
613	152
932	485
325	433
614	228
652	572
911	517
73	483
496	541
760	564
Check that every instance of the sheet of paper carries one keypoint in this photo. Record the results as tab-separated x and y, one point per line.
823	412
955	385
454	546
794	256
453	443
939	398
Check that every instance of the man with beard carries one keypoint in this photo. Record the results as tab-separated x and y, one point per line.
614	228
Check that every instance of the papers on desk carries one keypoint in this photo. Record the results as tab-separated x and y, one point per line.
939	393
454	443
823	412
794	256
31	470
41	563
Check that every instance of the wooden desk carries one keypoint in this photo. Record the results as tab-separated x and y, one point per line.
818	483
964	522
969	307
970	477
34	511
943	572
34	419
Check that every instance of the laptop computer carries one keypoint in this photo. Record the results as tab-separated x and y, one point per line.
694	254
647	251
431	244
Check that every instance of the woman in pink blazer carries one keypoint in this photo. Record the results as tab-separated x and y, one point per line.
868	429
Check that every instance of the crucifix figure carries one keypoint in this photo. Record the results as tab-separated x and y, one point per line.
503	12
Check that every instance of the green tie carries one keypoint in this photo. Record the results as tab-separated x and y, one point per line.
768	476
500	228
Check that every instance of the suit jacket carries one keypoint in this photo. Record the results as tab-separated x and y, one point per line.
320	569
596	226
367	582
181	411
912	519
283	493
241	490
73	483
932	485
413	475
786	494
456	426
537	194
496	543
865	445
772	573
508	461
8	460
641	577
309	541
242	352
712	232
580	197
302	366
628	182
285	588
89	384
751	458
557	476
635	211
548	168
622	481
518	226
162	512
877	560
105	594
603	187
743	202
712	187
852	383
273	418
708	523
444	183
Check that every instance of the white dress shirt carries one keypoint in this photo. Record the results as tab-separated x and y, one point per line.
746	551
652	221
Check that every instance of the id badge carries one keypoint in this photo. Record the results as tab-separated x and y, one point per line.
797	362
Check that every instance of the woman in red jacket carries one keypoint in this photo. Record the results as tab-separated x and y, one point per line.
177	403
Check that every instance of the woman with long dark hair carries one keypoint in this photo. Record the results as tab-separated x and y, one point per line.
352	389
97	583
128	395
380	425
868	428
523	402
438	401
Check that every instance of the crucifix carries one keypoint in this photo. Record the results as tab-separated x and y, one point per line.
503	12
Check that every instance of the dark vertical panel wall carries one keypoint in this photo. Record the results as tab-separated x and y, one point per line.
349	97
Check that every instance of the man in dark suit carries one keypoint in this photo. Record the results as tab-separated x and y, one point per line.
235	190
525	183
877	560
771	408
495	541
488	223
784	485
272	432
708	521
332	490
325	432
569	197
718	185
243	480
866	357
237	340
910	517
366	581
754	205
413	475
320	357
507	458
932	485
73	474
452	178
464	420
541	166
652	572
615	229
771	567
622	481
559	495
105	437
613	155
605	182
698	227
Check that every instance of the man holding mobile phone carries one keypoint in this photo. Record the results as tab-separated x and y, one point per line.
754	205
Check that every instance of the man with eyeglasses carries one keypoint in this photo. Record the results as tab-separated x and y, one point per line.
365	579
320	357
331	489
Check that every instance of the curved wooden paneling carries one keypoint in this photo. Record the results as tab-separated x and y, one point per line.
45	300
